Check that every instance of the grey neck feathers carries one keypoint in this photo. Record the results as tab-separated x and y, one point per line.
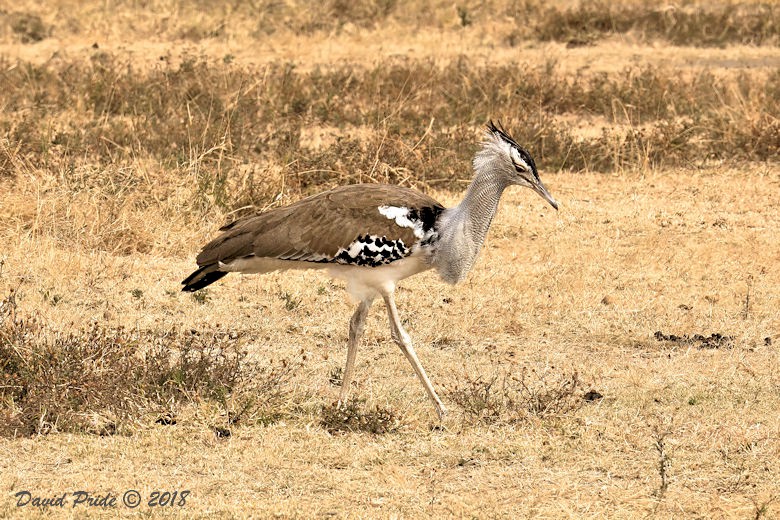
462	229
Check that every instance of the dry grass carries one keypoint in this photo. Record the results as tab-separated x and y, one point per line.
517	396
111	381
353	416
584	291
203	136
691	24
616	359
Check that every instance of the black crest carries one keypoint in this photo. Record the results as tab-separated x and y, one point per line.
499	130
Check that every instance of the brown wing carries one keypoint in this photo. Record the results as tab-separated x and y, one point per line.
316	228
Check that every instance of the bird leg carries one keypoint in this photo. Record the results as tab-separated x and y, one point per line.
356	327
403	340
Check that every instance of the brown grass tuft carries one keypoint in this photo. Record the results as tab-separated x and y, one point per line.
101	380
510	397
28	27
355	416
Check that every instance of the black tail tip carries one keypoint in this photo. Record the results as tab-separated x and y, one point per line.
201	278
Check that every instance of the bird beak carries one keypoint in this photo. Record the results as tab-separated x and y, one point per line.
539	188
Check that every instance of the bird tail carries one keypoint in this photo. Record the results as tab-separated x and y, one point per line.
205	275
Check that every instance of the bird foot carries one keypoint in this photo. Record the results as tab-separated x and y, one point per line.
441	411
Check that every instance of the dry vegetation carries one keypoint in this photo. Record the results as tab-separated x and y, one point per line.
616	359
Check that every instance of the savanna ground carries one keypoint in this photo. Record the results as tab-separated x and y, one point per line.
616	359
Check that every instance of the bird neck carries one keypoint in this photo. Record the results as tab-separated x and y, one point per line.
480	203
464	228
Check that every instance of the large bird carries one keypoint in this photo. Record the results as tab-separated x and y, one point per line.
373	236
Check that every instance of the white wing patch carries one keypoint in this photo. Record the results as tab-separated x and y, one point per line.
401	217
355	249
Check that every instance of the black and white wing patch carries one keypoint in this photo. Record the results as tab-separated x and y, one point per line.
373	250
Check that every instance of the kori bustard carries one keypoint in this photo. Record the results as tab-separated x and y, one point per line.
373	236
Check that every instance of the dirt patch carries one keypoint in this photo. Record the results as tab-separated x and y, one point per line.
713	341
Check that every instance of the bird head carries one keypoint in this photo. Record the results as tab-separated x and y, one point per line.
501	154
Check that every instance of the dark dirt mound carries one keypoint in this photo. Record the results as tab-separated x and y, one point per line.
714	340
